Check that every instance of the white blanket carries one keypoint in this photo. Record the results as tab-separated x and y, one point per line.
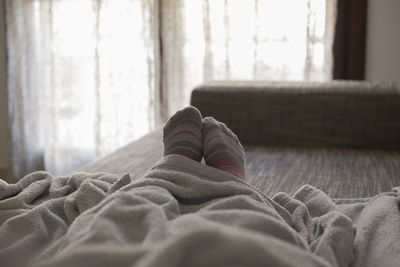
183	213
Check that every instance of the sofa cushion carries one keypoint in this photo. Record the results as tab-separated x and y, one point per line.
341	173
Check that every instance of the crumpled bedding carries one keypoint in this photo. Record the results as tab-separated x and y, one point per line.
183	213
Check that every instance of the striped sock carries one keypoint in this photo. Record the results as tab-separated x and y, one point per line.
182	134
222	149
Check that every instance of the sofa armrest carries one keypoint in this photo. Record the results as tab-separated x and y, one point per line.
333	114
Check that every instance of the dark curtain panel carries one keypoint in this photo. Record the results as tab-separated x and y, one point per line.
350	37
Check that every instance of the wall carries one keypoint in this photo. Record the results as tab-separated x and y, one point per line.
4	140
383	40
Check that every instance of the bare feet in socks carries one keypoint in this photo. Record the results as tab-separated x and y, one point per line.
222	148
182	134
187	134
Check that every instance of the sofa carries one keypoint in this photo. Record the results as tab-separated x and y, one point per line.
342	137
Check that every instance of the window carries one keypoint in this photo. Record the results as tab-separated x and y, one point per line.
87	77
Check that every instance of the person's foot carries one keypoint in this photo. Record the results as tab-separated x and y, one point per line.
222	149
182	134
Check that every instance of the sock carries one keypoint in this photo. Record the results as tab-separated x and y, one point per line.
222	149
182	134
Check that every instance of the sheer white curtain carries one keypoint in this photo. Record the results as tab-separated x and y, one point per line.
245	40
88	76
82	79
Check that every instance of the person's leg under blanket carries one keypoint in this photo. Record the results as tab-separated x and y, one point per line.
184	213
